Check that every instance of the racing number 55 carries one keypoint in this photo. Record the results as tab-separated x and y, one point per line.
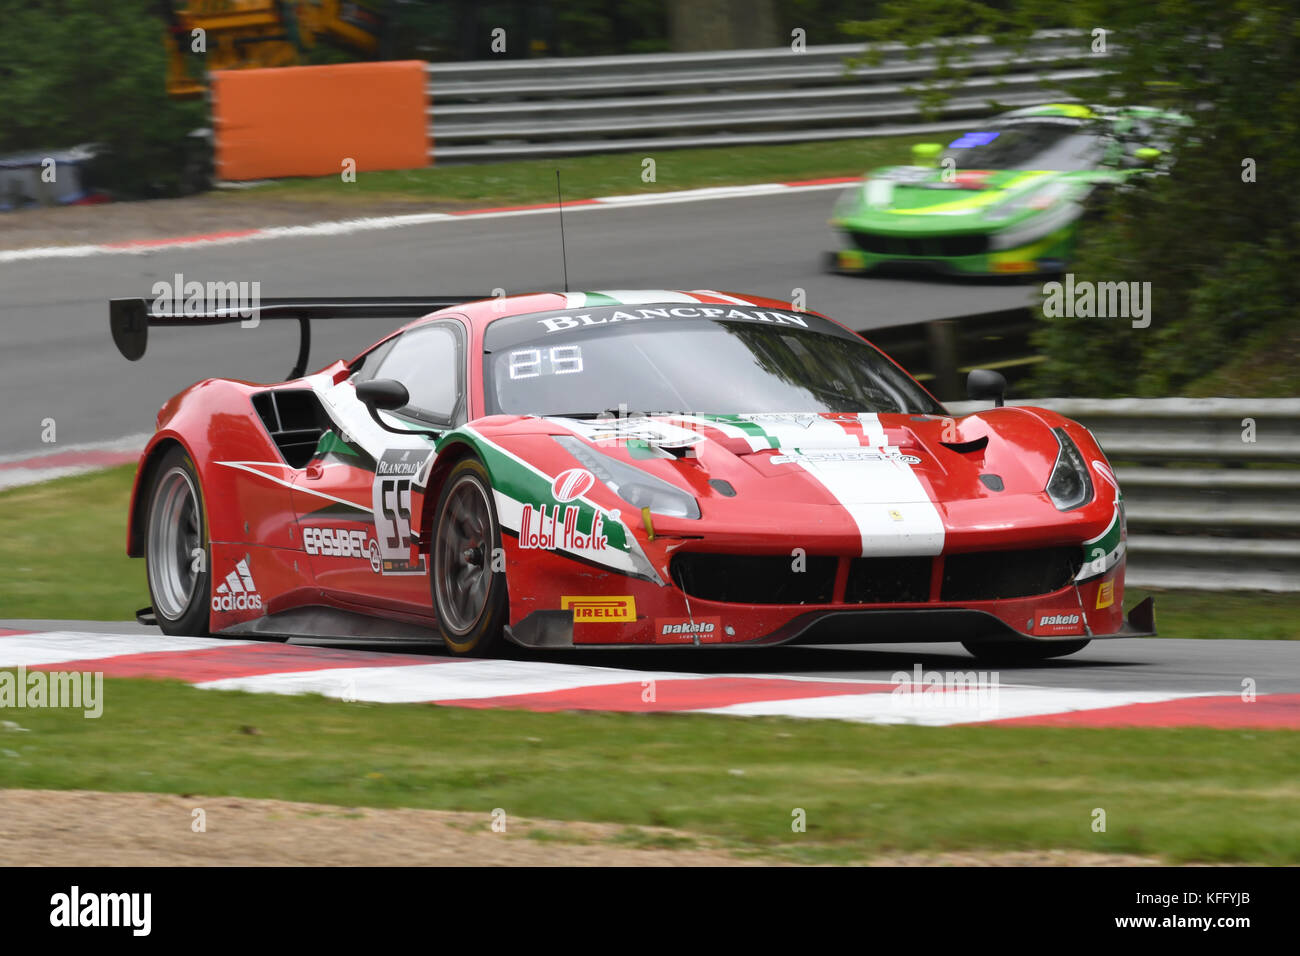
394	516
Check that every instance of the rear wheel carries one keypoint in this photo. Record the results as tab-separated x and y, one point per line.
1018	652
176	547
469	596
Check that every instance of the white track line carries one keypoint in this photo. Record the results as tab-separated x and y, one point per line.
468	680
347	227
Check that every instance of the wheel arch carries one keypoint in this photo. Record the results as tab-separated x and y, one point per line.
145	473
454	452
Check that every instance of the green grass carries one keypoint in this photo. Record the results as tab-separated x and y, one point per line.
1239	615
83	571
533	180
63	549
1184	795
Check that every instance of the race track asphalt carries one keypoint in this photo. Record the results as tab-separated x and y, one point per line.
57	359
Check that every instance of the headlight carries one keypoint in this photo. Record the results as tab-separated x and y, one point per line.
1041	198
1070	485
633	485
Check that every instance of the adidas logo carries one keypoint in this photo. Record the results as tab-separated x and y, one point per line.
238	592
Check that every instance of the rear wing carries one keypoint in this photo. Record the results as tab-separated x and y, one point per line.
129	319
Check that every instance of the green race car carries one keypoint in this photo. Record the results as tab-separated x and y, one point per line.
1002	199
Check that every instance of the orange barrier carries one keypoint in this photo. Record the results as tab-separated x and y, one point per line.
306	120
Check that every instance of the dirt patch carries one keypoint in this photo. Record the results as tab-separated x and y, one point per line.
151	829
214	212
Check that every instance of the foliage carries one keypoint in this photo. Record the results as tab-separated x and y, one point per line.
79	71
1219	251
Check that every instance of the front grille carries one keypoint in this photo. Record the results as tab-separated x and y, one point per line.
772	579
888	581
924	246
755	579
989	575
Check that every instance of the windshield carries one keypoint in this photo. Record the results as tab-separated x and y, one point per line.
1040	144
697	366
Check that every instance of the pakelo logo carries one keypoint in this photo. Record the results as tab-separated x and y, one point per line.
237	592
571	484
538	530
600	608
336	542
707	630
1055	620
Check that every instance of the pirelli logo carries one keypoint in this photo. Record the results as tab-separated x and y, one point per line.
601	608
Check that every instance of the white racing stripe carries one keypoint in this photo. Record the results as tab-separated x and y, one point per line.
578	300
723	296
730	431
886	500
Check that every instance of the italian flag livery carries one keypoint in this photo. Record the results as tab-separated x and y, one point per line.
616	525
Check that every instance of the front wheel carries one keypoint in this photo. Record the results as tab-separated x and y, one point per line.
176	547
1018	652
466	576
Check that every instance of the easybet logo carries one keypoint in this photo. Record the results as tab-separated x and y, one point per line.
237	592
336	542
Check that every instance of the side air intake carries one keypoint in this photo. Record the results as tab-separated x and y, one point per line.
294	419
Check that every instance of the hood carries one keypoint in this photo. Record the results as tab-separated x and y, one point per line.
874	484
904	199
785	457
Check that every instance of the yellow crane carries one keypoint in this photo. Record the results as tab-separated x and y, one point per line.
206	35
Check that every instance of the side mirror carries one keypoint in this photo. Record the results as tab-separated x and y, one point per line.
386	393
986	383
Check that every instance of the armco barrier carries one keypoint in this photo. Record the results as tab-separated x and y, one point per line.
508	109
306	120
1211	486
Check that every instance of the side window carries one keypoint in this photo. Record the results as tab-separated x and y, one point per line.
428	361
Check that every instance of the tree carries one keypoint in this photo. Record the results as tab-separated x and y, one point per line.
1220	251
77	71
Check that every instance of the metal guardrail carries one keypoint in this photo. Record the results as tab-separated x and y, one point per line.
941	352
520	108
1208	508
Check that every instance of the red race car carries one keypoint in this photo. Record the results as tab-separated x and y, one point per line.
614	469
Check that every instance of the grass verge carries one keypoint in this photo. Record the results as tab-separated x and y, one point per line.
63	549
533	180
1183	795
83	571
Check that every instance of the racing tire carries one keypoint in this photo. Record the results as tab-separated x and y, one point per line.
177	554
1018	652
469	597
